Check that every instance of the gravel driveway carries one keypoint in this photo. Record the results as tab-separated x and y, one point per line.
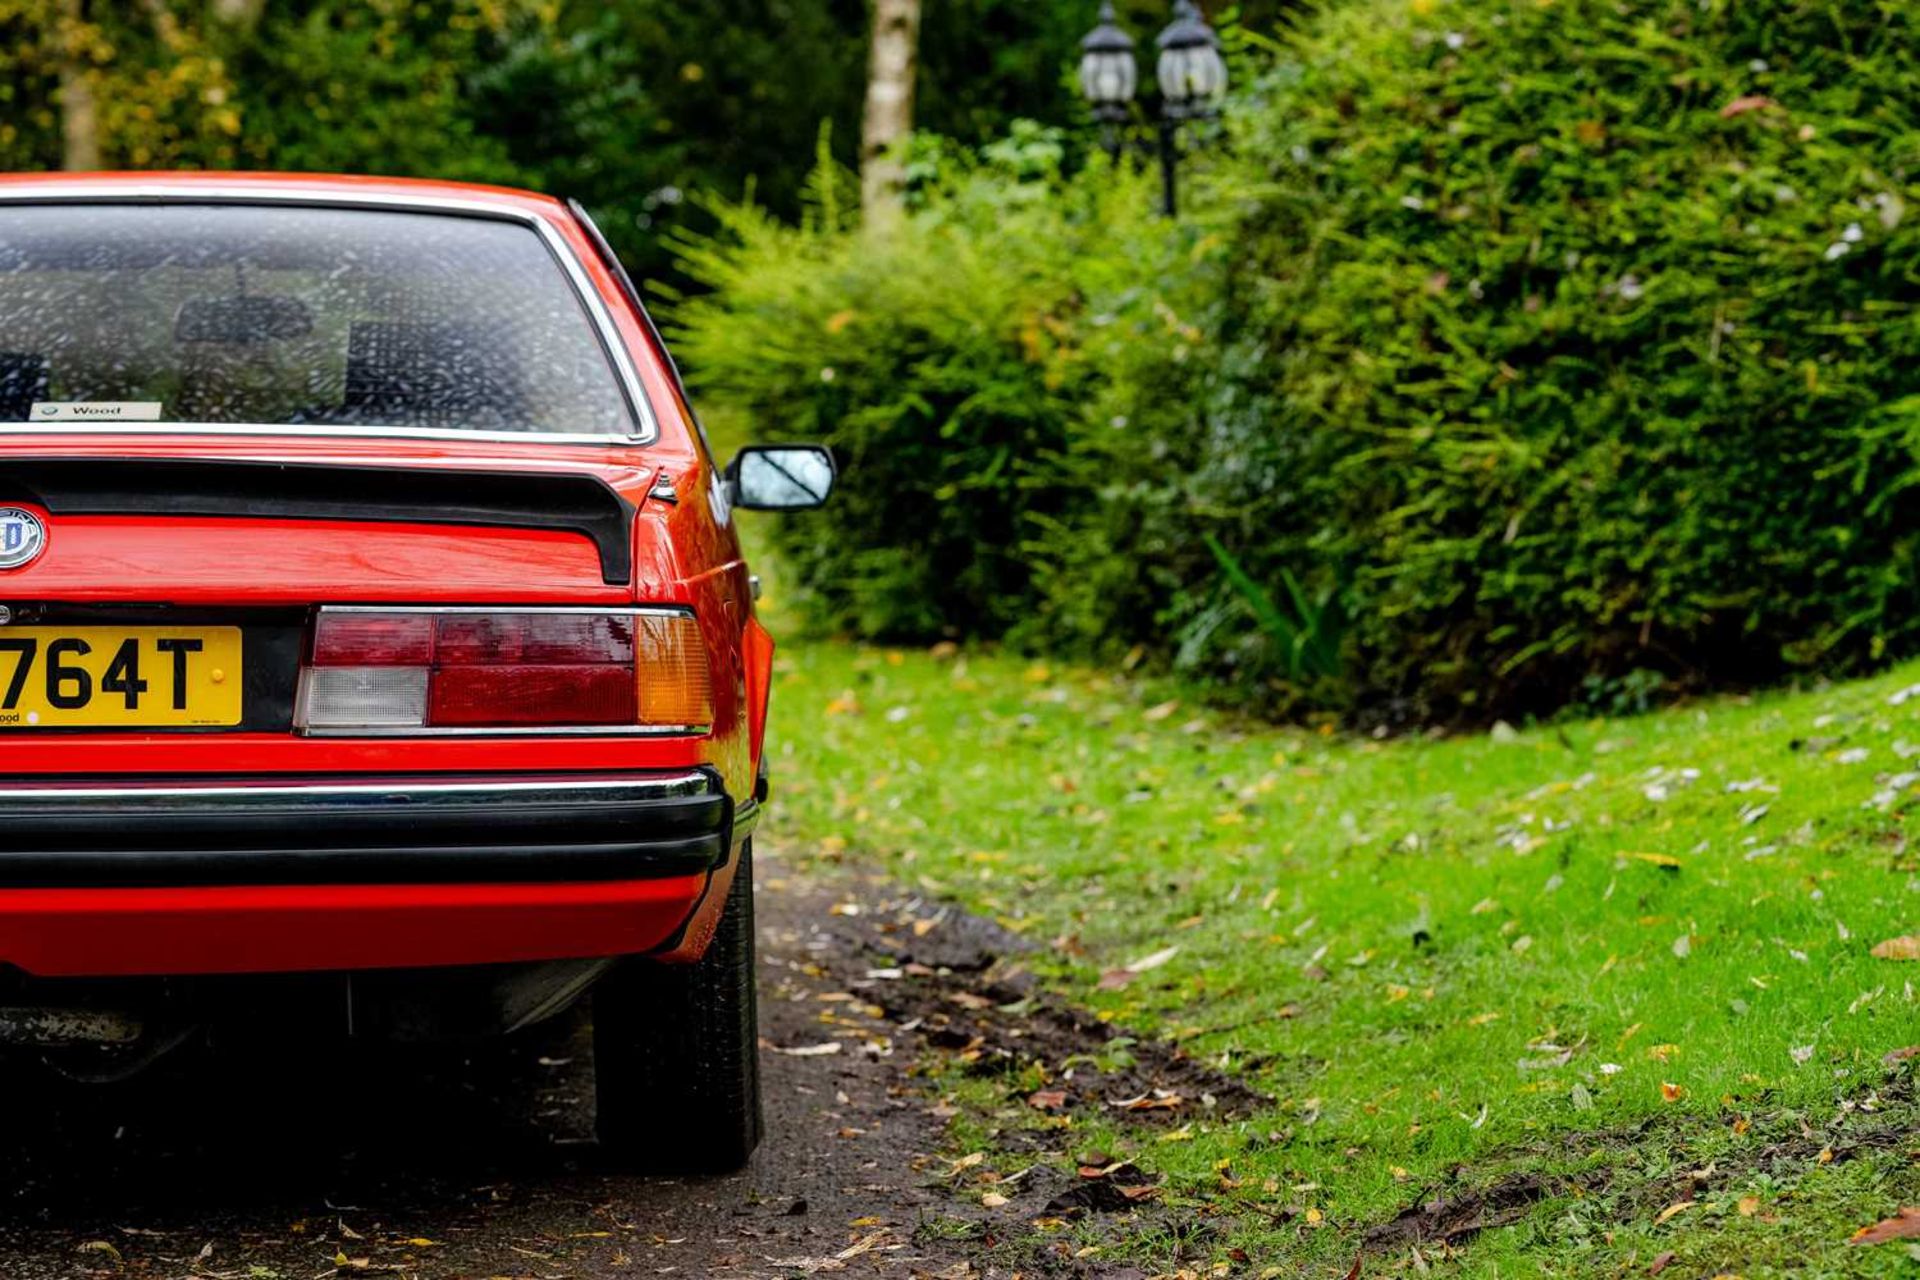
304	1161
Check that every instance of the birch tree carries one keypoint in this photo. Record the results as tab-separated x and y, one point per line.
893	64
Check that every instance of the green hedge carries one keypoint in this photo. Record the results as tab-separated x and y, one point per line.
1583	335
1520	354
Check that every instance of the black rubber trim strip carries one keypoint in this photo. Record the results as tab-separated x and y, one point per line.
432	864
245	487
367	826
358	842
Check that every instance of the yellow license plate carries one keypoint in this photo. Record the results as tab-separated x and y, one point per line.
113	677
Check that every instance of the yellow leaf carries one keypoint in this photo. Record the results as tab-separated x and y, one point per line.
1658	859
1674	1210
1748	1206
1907	948
1671	1092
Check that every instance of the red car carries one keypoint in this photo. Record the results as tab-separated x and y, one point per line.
376	648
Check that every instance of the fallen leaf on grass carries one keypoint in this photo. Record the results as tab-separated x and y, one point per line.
1047	1099
100	1246
1904	1225
1671	1092
1674	1211
1741	105
1661	1263
1158	1100
1158	958
1664	861
1907	948
808	1050
1895	1056
1117	979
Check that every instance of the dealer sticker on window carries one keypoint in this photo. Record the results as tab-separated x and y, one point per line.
96	411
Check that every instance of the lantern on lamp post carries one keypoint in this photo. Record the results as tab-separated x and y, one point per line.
1191	73
1109	76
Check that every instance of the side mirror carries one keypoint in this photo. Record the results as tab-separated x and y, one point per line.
785	477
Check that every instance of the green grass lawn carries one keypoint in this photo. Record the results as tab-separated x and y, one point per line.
1631	956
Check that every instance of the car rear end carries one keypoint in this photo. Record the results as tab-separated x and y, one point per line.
369	611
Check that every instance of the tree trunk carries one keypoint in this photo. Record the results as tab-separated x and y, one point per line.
889	116
79	111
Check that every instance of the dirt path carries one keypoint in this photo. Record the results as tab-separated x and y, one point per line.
309	1162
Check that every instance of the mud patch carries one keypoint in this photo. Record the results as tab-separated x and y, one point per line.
1451	1219
957	981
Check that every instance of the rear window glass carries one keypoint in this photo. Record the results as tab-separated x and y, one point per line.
294	316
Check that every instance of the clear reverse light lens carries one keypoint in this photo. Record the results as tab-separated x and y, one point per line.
370	697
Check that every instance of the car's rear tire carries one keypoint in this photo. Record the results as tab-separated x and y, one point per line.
676	1052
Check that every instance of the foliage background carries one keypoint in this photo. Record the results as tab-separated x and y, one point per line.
630	105
1519	355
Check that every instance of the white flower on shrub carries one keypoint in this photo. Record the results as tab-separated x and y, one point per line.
1627	288
1844	245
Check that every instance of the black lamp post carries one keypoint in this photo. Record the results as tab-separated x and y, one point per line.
1192	75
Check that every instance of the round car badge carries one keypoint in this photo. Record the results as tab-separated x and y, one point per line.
22	537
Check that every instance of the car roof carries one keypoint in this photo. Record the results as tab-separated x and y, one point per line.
279	186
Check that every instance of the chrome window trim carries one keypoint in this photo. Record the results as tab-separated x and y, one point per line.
608	332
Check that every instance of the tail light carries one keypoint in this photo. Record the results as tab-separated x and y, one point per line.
504	671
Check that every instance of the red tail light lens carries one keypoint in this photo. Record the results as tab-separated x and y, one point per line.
570	695
474	671
373	640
